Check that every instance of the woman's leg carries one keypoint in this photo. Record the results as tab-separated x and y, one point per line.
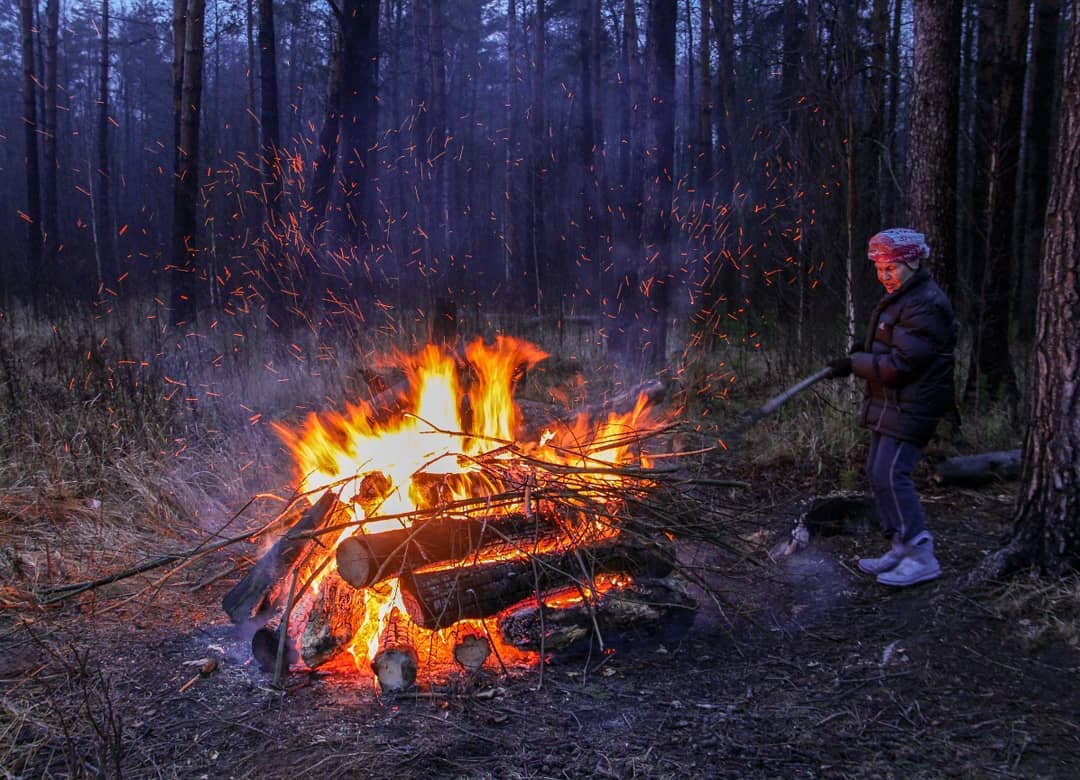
889	469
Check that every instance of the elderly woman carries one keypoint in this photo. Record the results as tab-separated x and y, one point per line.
906	360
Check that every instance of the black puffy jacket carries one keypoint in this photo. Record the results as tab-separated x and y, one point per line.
907	361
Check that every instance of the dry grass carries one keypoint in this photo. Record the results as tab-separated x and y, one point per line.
1042	611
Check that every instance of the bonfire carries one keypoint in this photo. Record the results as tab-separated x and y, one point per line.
438	526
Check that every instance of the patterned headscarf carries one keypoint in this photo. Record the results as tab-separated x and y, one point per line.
898	245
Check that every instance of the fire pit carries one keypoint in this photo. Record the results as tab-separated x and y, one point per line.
443	528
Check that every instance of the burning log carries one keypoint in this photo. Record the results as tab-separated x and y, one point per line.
436	597
471	651
562	622
395	664
332	622
253	598
365	559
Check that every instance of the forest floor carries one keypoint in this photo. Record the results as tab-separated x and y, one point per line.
807	668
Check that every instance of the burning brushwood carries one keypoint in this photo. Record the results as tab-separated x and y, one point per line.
652	391
255	597
566	620
439	596
395	664
365	559
471	509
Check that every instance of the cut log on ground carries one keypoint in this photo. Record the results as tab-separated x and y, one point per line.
656	610
254	597
336	613
395	664
981	469
365	559
437	597
471	651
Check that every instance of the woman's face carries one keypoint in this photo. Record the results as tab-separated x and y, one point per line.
893	275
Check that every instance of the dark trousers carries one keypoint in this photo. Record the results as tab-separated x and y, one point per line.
889	468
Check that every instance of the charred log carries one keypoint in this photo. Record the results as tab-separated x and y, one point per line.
650	610
255	596
335	616
265	645
395	664
365	559
436	597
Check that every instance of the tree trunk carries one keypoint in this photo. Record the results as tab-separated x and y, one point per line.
322	174
705	113
270	133
877	133
185	249
890	209
1038	149
50	222
108	268
639	340
30	129
279	282
1047	514
932	158
993	375
359	110
540	271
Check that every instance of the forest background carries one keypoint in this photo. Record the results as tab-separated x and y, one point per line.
225	213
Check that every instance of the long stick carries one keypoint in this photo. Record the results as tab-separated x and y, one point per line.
775	403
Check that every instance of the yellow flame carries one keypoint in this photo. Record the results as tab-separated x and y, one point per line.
455	412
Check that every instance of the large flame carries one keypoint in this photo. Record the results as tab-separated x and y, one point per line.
457	411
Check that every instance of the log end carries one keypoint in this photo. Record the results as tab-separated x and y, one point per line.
354	562
471	651
395	669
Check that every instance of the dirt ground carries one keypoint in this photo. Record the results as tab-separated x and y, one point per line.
805	668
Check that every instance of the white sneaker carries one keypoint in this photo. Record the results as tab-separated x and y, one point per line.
886	562
917	565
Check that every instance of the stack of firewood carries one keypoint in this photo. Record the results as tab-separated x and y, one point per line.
535	571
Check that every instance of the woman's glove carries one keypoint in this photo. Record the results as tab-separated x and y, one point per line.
840	368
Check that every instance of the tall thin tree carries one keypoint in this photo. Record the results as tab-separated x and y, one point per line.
932	155
50	221
185	249
1046	535
107	267
30	129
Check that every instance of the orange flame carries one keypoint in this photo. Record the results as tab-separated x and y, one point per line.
457	412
